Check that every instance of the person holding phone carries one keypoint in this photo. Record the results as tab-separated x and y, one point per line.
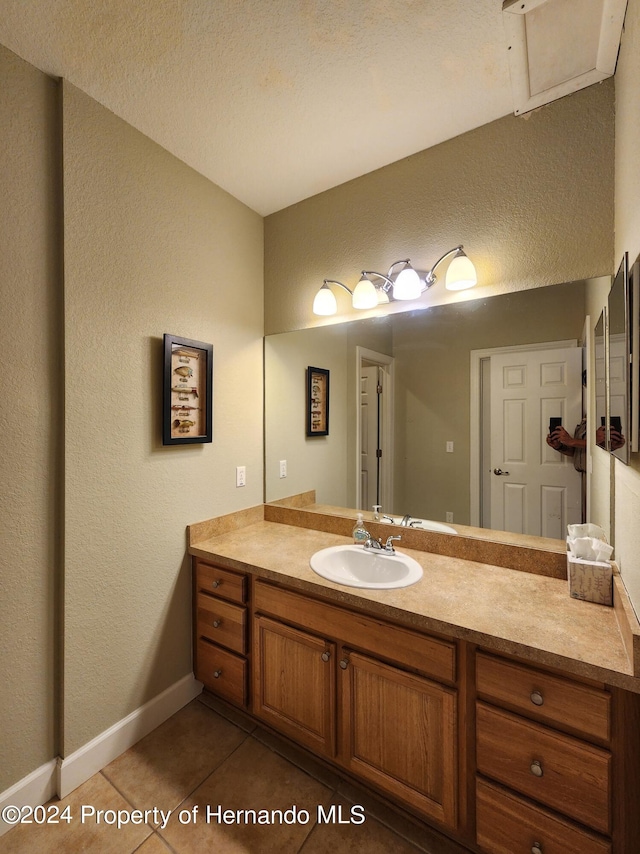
574	446
616	439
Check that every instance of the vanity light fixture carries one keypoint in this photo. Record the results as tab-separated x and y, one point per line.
325	303
405	284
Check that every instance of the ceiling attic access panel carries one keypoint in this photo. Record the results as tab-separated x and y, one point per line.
556	47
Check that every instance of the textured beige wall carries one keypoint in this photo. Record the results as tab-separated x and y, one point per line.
30	300
530	198
150	247
627	238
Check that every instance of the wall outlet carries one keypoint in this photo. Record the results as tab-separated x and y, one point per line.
448	516
241	475
283	468
449	447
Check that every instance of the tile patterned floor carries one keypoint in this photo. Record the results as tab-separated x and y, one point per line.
208	755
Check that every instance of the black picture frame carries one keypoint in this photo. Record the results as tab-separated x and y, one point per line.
187	394
317	401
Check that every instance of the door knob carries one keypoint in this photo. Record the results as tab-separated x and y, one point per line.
325	656
499	471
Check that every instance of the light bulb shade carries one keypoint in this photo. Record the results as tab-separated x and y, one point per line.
407	284
325	302
461	273
365	294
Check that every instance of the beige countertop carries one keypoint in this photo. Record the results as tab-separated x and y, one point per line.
520	613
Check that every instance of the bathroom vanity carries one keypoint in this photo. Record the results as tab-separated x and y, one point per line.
483	699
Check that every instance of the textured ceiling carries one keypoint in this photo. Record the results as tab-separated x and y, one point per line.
277	100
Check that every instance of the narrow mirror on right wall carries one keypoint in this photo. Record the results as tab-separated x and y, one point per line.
619	363
634	315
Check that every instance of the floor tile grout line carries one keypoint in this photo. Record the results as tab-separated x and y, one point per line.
209	774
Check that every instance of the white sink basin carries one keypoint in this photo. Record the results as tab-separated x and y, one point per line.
355	567
424	525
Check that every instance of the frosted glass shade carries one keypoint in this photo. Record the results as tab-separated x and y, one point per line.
461	274
407	284
365	294
325	302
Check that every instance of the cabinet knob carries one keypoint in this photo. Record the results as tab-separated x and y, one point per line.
536	698
217	624
217	673
536	768
326	656
216	583
536	848
344	663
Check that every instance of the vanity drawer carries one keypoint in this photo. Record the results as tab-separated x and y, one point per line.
544	697
557	770
222	622
223	582
507	824
429	655
222	672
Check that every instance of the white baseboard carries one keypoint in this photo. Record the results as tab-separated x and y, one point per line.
75	769
34	789
61	776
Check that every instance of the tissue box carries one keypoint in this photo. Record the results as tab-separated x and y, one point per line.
590	580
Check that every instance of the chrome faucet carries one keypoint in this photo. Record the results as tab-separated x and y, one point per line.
373	545
406	521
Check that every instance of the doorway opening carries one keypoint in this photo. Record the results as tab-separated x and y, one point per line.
518	482
374	429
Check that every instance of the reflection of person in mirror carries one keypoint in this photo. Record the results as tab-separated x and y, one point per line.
616	439
576	446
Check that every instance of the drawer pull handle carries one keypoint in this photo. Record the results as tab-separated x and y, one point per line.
217	673
536	768
217	624
536	698
326	656
536	848
216	583
344	663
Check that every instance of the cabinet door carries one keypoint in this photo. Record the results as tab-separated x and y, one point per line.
399	733
294	683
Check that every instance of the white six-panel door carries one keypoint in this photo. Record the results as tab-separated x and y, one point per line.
534	489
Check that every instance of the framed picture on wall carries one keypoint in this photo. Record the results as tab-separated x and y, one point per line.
317	402
187	400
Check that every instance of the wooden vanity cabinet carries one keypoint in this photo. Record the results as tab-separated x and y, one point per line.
344	690
221	631
294	683
544	761
504	756
399	732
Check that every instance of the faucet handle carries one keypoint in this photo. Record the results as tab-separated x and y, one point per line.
388	547
372	544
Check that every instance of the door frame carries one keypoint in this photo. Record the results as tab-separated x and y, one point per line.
387	363
476	415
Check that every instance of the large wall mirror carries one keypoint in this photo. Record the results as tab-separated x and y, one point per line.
471	390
